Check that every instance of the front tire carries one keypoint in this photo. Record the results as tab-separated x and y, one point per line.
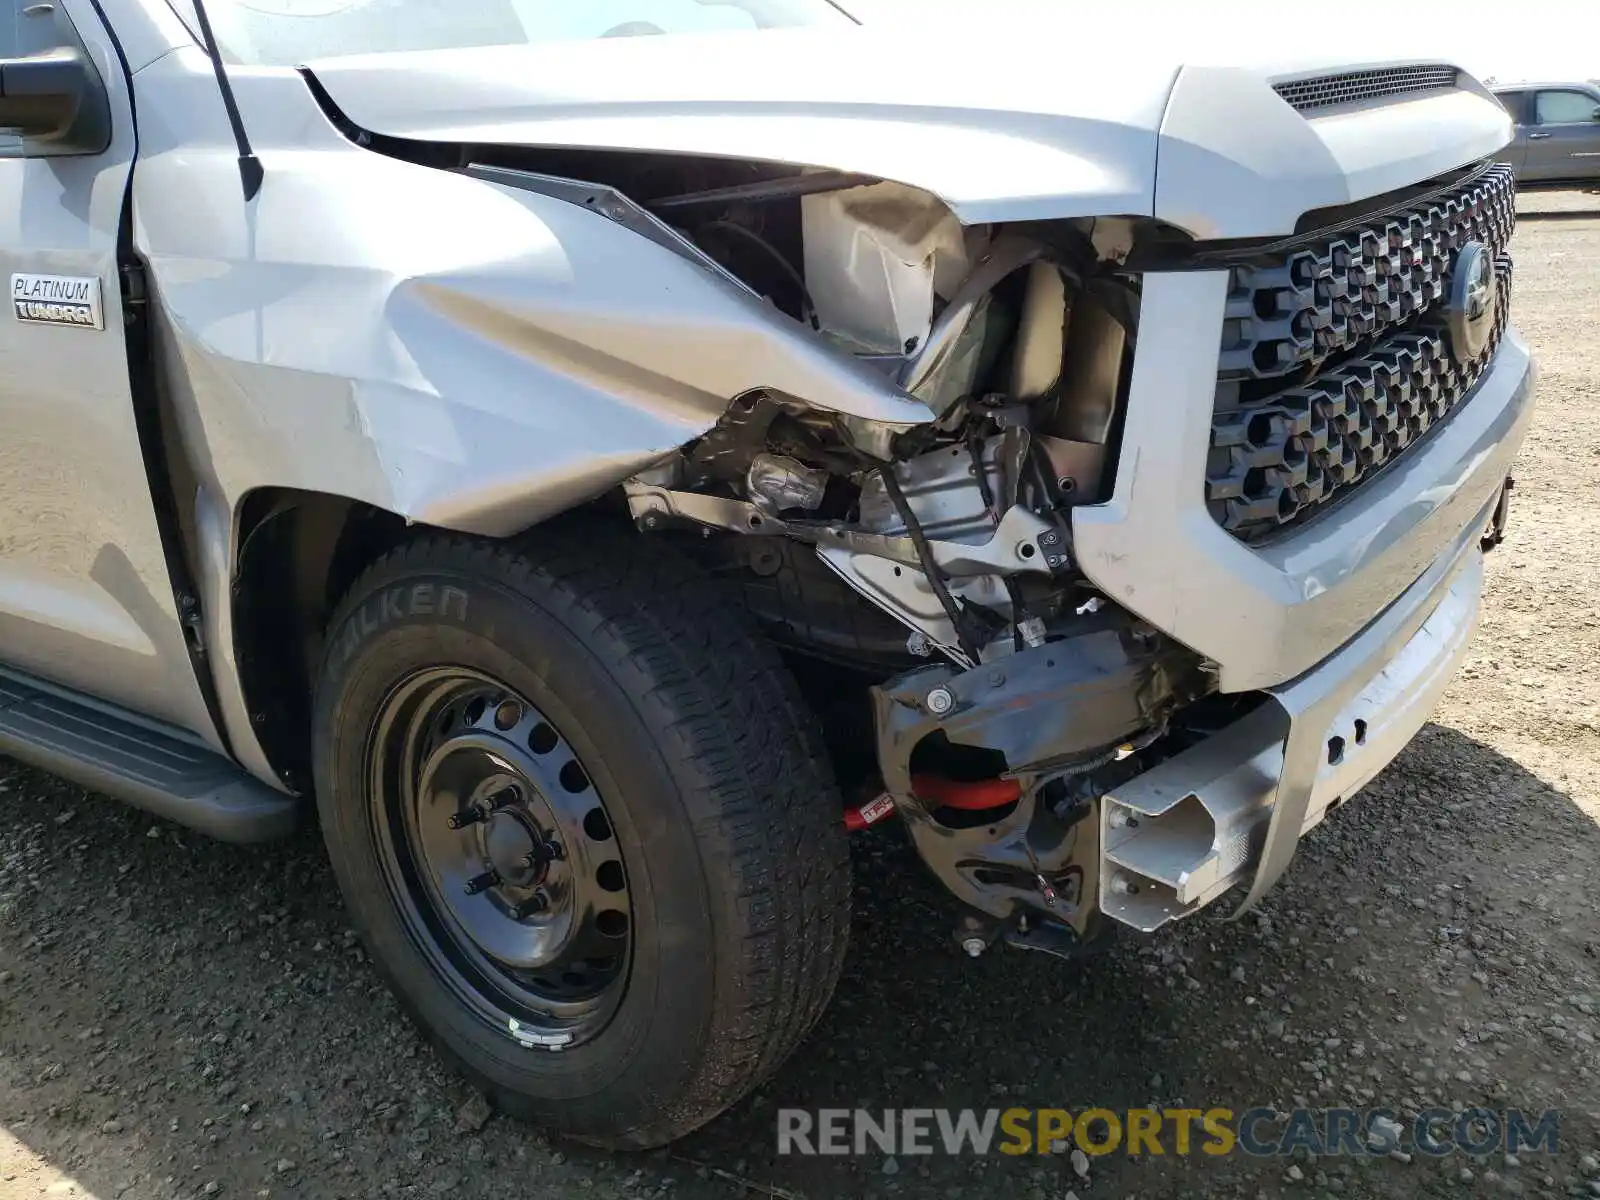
584	824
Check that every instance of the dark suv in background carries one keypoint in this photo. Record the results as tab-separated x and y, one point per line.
1558	133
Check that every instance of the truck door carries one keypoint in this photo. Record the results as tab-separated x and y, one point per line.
85	598
1564	142
1516	153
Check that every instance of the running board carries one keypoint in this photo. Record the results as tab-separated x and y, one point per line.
138	761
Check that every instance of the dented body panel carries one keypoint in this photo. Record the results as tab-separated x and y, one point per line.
461	353
921	342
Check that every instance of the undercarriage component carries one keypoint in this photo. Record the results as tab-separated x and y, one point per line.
1060	941
777	482
976	933
879	808
1037	723
978	795
1021	542
905	594
803	606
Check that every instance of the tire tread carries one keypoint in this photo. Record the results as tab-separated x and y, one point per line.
753	776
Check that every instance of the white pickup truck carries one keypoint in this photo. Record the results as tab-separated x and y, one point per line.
595	456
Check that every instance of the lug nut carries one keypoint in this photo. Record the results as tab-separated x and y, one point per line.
543	853
482	883
467	816
940	701
974	946
531	907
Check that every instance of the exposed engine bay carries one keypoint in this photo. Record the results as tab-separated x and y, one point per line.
1016	340
921	577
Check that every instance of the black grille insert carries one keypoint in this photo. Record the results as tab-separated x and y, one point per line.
1335	359
1283	458
1324	91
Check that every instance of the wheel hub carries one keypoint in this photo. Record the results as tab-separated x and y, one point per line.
514	850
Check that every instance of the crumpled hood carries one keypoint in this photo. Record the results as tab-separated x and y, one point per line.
1020	124
995	138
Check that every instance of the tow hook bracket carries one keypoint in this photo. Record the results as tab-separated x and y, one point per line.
1496	533
1060	941
1046	937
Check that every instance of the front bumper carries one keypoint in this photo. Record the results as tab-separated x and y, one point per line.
1178	836
1293	618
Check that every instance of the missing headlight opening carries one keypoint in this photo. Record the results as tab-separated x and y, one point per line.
867	550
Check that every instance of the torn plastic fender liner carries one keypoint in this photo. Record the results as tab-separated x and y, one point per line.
1041	709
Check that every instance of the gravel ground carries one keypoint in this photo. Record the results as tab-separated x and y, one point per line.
179	1018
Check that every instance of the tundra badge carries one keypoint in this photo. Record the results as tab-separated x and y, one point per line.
58	300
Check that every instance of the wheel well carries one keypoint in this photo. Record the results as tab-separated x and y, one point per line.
299	553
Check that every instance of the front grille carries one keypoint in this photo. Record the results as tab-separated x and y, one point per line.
1335	357
1325	91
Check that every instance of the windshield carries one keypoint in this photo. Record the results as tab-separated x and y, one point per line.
289	32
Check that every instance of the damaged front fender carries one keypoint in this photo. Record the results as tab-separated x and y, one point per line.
453	349
456	351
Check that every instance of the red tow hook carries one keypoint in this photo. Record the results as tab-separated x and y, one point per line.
870	813
939	792
970	796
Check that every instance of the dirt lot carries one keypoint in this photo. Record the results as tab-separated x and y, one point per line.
180	1019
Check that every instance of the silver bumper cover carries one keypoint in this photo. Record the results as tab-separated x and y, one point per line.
1293	619
1178	836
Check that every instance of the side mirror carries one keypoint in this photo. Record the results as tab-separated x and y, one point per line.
1596	116
56	99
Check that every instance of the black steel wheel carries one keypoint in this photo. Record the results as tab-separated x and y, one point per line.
584	824
501	855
